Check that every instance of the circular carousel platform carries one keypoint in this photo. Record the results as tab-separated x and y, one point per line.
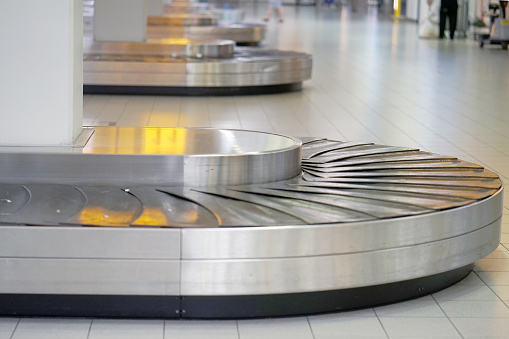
204	223
190	67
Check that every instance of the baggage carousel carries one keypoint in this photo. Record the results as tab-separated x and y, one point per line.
213	25
205	223
190	67
244	34
191	21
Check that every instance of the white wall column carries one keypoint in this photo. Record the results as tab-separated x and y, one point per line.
120	20
154	7
41	72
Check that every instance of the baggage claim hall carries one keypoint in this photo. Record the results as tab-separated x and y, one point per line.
190	170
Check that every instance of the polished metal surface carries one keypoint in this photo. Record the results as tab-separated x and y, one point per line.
360	214
247	67
90	242
238	32
330	272
169	47
182	19
89	276
160	156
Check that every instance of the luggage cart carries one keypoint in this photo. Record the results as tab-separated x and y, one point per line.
499	26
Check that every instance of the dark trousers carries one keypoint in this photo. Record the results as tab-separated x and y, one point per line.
448	9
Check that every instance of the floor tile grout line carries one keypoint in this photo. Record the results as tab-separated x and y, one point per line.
90	328
447	316
15	328
381	324
310	327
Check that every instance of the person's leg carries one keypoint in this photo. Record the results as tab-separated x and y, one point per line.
443	15
269	14
280	14
453	17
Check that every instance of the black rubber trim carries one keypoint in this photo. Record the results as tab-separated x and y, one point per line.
111	306
255	306
192	91
248	44
226	307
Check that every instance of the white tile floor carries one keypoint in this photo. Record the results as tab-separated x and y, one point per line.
372	80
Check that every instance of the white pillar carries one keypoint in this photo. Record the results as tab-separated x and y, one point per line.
120	20
41	72
154	7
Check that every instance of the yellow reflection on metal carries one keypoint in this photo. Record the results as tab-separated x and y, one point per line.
132	140
191	216
152	216
98	215
175	41
165	141
396	5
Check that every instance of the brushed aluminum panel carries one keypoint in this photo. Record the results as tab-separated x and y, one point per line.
249	63
324	146
107	206
384	158
321	273
151	64
48	205
426	172
368	150
191	80
307	211
90	243
240	33
309	140
89	276
169	47
409	165
162	209
134	79
150	170
230	212
13	197
182	19
375	208
161	156
474	193
427	201
318	240
255	79
436	182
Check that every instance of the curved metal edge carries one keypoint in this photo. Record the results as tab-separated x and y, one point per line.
179	19
146	169
191	48
235	170
322	273
237	65
319	240
142	306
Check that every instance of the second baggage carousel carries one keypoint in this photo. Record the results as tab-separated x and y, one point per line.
191	67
